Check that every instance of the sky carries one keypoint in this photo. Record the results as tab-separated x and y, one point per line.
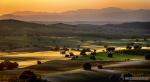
9	6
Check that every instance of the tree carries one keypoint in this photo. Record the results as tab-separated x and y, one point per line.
28	75
147	57
137	47
39	62
128	47
83	52
110	49
110	55
100	66
93	57
71	54
87	66
1	66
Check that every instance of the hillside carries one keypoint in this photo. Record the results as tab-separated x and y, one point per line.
16	34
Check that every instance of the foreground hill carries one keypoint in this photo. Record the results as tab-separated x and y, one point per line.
25	34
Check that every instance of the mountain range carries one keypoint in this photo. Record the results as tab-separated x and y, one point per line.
83	16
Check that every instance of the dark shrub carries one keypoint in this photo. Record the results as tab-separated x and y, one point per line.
8	65
63	52
110	55
1	66
137	47
15	64
77	56
100	67
93	53
147	45
65	48
27	75
128	47
93	57
39	62
147	57
71	54
87	66
88	50
83	52
67	56
110	49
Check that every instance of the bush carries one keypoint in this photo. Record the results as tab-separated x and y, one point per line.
110	49
87	66
1	66
27	75
15	65
71	54
110	55
93	53
93	57
88	50
147	57
100	67
83	52
147	45
63	52
67	56
9	65
77	56
39	62
137	47
129	47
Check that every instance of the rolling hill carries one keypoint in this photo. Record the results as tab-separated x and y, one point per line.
16	33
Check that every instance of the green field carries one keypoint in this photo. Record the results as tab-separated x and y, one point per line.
117	57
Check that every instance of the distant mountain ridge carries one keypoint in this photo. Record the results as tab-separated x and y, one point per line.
111	14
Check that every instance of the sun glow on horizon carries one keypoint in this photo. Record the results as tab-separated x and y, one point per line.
9	6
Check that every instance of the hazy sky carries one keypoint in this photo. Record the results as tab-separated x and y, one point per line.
8	6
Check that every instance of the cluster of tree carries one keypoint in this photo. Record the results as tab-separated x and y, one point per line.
72	56
88	66
8	65
110	51
84	50
29	76
134	46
